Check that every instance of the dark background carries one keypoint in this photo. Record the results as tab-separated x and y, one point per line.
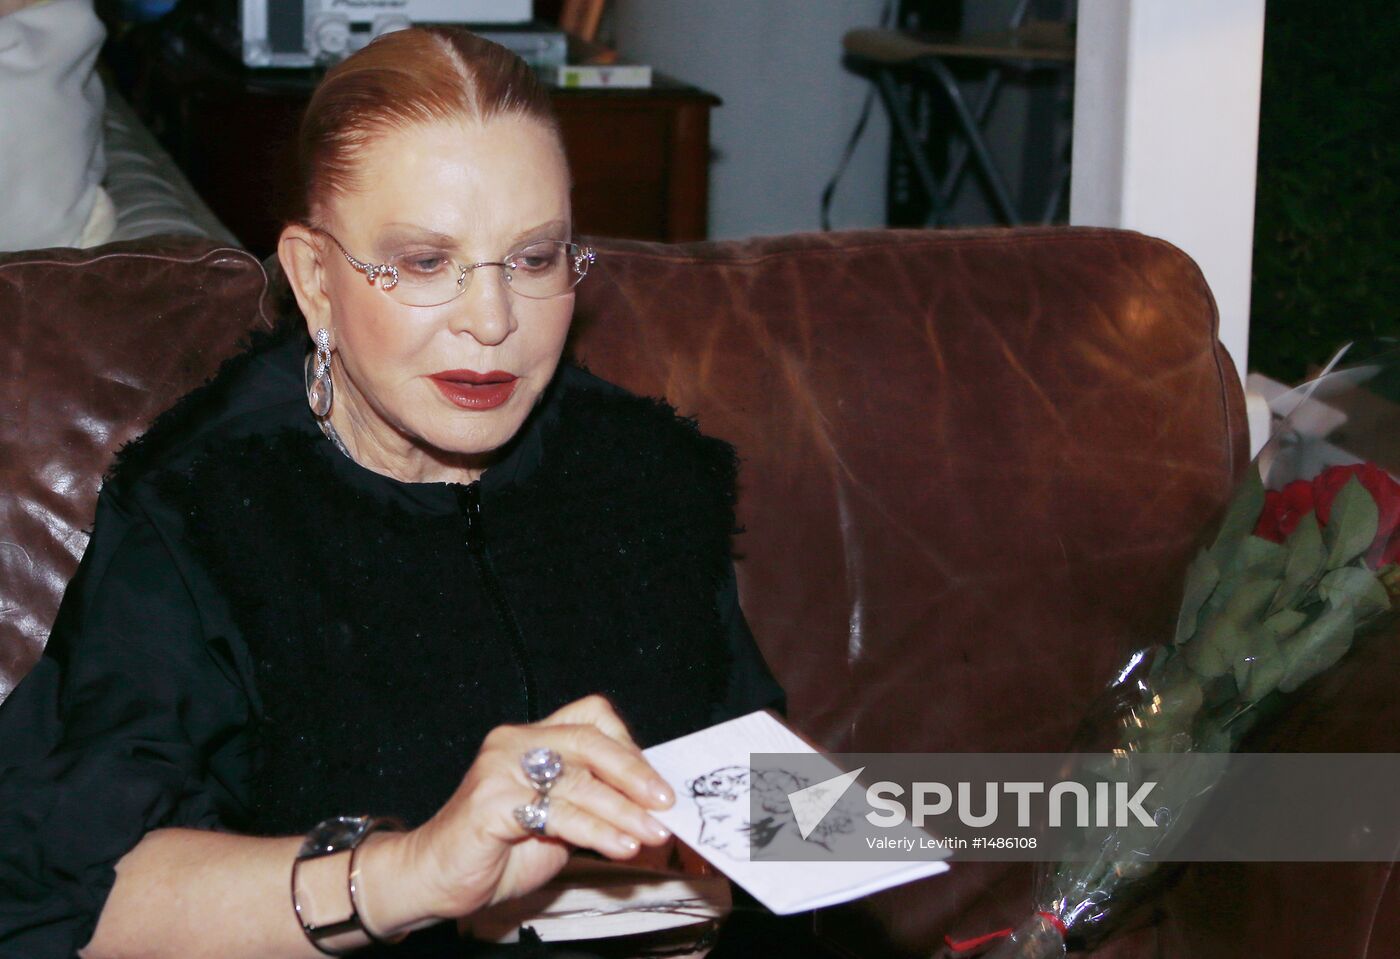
1327	215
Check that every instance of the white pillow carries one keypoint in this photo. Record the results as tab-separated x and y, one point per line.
51	157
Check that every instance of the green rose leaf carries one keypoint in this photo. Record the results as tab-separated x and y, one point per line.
1248	602
1225	636
1208	656
1201	579
1285	623
1351	527
1256	558
1306	556
1241	516
1259	670
1316	647
1213	610
1357	587
1252	560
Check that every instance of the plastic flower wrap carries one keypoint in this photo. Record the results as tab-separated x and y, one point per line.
1303	561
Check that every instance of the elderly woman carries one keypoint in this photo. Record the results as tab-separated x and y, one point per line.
414	568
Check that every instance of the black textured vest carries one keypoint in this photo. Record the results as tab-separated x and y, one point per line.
385	644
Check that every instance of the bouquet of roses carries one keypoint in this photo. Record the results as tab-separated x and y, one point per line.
1306	557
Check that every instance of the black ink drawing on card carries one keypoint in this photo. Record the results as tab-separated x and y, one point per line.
731	824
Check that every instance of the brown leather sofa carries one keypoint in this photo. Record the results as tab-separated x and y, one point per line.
974	465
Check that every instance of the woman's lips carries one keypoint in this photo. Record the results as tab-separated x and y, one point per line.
475	391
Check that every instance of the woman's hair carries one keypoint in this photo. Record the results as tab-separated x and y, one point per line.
410	76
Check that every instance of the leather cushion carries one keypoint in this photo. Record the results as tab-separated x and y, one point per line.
96	343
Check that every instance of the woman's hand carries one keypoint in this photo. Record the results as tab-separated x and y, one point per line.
473	853
470	854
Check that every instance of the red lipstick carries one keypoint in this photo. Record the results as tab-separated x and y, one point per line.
471	390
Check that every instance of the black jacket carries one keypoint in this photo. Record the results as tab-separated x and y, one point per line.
263	633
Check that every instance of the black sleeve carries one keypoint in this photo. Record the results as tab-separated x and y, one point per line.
751	684
107	737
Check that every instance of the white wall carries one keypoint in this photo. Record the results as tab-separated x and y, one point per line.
1166	130
789	105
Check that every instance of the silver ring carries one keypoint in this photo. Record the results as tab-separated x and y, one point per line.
534	816
543	767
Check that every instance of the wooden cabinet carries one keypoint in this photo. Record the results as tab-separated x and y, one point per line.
639	158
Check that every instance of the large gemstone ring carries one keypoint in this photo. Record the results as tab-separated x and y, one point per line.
543	767
534	816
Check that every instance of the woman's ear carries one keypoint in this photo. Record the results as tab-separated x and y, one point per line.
299	252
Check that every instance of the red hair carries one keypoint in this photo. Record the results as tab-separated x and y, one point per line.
417	75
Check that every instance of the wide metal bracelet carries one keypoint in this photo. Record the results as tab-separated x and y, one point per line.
353	922
383	822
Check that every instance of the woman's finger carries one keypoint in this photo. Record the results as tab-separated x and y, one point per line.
572	824
611	806
593	710
587	750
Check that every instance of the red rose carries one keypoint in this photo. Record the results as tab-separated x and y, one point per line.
1385	549
1283	509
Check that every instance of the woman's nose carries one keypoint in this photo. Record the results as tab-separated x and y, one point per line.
484	308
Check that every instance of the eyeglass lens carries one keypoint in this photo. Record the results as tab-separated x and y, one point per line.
539	271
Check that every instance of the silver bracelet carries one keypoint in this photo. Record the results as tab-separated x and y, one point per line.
354	876
327	838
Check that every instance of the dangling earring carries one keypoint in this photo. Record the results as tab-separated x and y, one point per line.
319	391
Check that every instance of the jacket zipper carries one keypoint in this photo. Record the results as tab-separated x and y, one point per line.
481	559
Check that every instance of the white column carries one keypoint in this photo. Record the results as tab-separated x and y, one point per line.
1166	130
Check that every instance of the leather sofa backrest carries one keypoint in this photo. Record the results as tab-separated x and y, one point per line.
96	343
973	463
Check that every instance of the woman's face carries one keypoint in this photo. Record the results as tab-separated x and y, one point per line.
409	380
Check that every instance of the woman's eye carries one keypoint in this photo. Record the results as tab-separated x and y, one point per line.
534	261
422	263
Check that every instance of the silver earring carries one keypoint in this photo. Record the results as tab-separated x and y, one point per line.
319	390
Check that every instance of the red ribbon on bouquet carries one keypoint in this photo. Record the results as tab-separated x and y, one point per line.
968	945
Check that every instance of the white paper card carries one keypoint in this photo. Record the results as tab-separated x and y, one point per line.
709	770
